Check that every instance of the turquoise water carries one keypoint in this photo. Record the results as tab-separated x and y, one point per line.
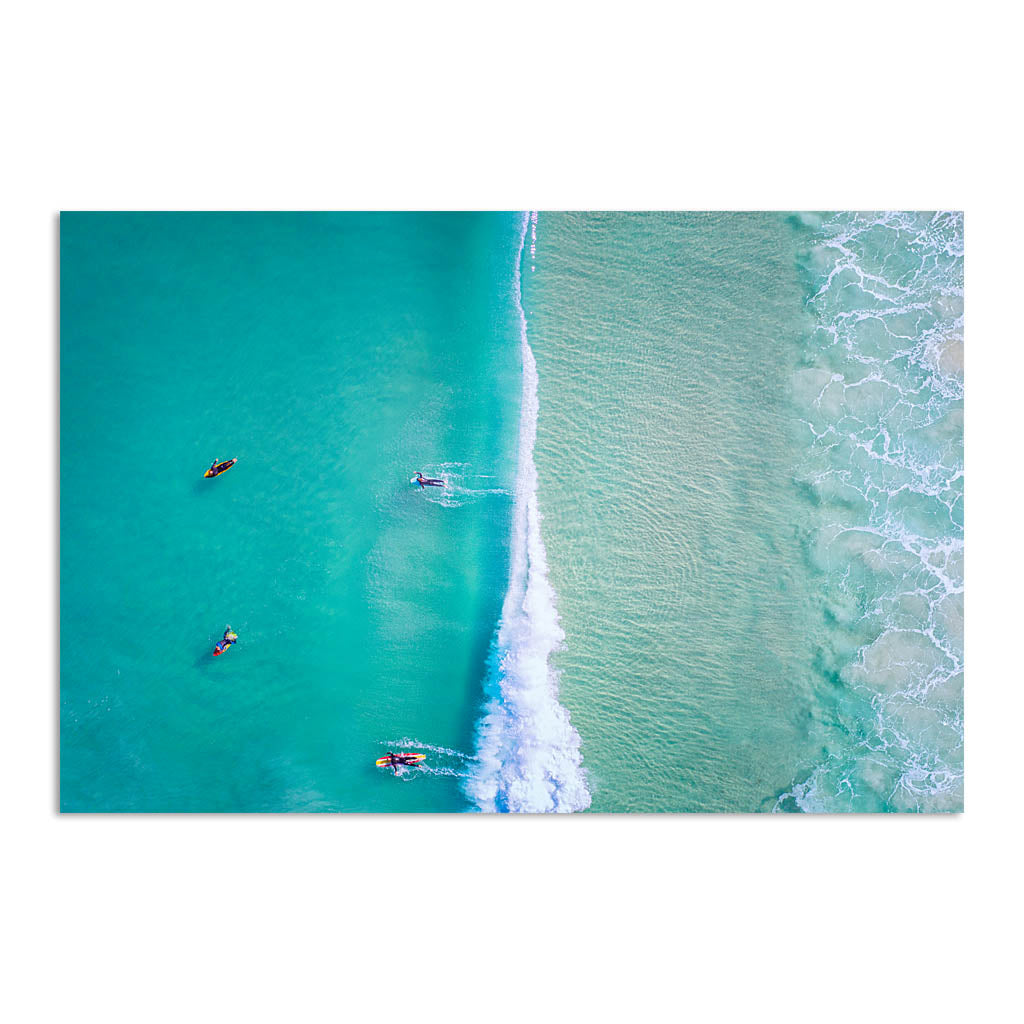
699	549
334	356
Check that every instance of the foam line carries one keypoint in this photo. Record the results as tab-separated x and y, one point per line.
528	753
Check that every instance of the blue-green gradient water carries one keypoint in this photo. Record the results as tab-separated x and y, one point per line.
334	355
699	549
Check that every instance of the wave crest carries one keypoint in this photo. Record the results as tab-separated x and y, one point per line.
528	753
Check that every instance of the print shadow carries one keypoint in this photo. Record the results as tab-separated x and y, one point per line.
56	510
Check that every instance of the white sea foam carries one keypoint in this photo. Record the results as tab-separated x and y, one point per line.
528	753
883	408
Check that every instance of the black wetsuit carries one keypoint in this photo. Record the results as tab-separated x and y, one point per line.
394	760
426	481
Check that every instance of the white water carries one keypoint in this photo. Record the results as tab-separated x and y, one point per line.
528	753
883	401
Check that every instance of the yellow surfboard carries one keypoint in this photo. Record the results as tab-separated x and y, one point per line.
221	467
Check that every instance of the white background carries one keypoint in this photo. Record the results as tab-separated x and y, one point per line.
429	105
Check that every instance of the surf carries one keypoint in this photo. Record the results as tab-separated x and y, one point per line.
528	756
882	402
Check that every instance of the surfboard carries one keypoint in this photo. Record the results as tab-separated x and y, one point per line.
382	762
221	467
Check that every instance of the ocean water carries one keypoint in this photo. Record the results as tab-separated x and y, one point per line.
334	355
881	405
528	752
699	548
750	457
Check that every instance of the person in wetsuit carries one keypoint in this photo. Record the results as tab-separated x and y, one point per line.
428	481
394	760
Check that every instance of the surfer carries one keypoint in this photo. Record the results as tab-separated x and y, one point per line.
427	481
230	637
216	468
394	760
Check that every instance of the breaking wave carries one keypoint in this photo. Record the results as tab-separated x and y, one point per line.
528	753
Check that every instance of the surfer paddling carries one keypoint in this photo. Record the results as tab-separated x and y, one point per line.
392	760
427	481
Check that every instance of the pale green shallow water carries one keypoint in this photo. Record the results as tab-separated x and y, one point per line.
665	453
716	613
